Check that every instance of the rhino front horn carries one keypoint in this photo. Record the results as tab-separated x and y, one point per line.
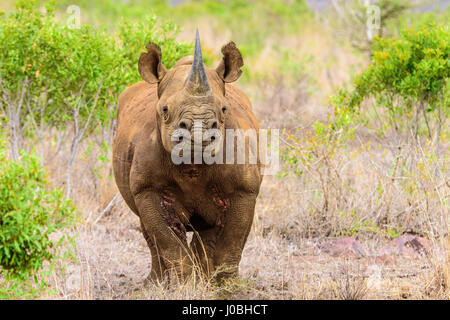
197	81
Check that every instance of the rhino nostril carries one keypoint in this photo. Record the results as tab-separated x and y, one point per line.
214	125
182	125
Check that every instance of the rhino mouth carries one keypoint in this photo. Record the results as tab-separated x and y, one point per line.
199	151
203	145
191	172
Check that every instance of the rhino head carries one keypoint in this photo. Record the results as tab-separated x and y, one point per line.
191	97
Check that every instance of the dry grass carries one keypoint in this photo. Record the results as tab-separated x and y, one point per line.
280	260
437	277
372	182
394	186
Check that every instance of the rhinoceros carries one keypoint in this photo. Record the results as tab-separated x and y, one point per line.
216	201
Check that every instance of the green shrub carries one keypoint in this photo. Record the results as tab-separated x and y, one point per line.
408	76
30	212
69	65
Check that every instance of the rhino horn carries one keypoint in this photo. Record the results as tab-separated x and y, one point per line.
197	81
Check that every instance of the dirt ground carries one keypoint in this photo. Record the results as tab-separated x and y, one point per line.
113	261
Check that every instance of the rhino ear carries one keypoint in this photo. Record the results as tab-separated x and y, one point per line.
229	68
150	66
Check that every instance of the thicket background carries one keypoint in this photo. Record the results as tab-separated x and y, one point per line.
364	145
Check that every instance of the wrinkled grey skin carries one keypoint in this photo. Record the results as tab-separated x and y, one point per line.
217	200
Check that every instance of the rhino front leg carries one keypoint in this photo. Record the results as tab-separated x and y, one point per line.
203	246
166	235
231	239
158	268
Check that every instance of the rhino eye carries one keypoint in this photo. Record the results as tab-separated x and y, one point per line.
224	109
165	111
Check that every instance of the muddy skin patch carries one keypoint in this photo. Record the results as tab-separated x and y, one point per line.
169	215
221	203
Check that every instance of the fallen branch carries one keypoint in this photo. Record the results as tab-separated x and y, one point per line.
107	208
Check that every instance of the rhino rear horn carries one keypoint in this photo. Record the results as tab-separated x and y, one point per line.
197	81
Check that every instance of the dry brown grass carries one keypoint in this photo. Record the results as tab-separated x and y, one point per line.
371	181
280	260
384	183
437	277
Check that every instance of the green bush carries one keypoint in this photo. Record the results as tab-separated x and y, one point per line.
408	76
30	213
68	65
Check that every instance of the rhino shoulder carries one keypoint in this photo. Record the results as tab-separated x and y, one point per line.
237	96
135	107
147	171
136	92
